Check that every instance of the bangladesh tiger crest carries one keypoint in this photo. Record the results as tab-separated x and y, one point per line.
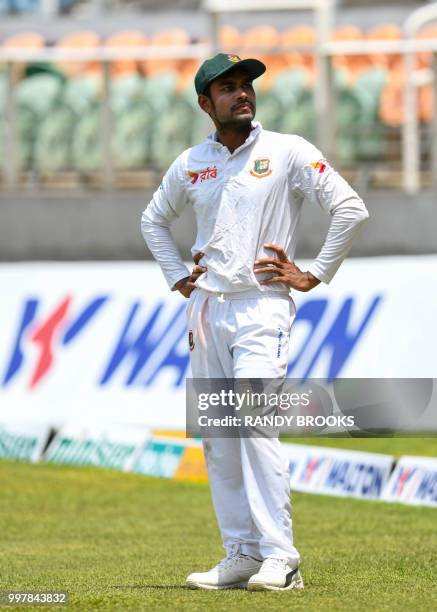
190	340
261	167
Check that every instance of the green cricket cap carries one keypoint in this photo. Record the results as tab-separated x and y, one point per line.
221	63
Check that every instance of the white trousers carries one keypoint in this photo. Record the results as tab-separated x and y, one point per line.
245	337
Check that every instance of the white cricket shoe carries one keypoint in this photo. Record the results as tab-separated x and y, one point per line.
276	575
233	572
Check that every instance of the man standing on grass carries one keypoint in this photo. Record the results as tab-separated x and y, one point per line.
247	186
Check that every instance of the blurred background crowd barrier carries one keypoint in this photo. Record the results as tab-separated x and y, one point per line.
112	110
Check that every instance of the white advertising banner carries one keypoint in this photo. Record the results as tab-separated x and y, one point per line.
112	446
343	473
23	441
107	342
414	481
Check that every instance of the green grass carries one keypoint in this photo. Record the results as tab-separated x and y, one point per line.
118	541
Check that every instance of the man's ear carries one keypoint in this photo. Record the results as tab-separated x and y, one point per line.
205	103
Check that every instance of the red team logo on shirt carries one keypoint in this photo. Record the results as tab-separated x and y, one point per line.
207	173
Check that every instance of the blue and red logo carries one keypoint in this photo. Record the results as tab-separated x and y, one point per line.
149	338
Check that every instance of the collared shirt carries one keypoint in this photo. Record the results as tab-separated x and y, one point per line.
245	199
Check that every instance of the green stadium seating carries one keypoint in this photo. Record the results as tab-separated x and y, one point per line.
299	117
175	131
269	110
81	94
2	114
132	135
86	143
368	89
36	97
288	85
53	149
59	121
55	135
159	89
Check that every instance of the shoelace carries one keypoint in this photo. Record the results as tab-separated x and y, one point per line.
230	561
271	563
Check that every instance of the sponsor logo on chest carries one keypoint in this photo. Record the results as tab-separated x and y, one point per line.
208	173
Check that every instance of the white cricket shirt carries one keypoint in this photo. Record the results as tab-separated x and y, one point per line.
245	199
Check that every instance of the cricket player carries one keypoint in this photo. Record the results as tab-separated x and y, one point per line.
247	186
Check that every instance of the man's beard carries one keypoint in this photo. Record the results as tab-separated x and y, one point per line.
234	124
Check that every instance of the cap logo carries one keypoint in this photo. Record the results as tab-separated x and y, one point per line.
261	167
234	58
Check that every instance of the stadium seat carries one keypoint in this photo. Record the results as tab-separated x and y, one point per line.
36	97
3	85
175	37
269	110
82	93
53	144
24	40
133	118
301	37
268	39
352	65
230	39
298	117
289	83
391	109
53	149
368	89
186	74
424	58
126	91
132	136
175	131
159	89
76	41
86	143
385	32
132	38
28	41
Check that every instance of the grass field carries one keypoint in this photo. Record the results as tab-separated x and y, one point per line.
118	541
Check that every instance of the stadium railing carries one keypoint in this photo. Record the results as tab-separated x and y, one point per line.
87	105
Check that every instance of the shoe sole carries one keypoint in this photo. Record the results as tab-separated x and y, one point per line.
215	587
295	582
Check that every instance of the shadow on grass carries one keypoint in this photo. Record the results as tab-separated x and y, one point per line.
146	587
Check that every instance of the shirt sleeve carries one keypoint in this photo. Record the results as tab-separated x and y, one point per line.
166	205
313	177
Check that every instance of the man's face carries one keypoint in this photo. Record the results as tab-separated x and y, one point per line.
231	102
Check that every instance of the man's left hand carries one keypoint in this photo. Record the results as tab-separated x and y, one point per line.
284	271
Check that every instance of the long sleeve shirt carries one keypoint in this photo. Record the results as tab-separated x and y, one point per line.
245	199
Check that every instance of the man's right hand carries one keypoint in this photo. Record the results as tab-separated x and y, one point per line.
186	285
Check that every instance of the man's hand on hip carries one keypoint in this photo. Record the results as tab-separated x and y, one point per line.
187	285
284	271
